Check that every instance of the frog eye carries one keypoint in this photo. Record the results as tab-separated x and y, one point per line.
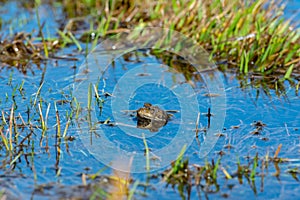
147	105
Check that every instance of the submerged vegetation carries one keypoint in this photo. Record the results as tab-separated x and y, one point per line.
249	38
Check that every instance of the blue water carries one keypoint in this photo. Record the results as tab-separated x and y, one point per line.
292	11
280	115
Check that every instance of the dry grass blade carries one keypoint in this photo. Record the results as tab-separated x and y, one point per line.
4	139
58	130
11	117
277	151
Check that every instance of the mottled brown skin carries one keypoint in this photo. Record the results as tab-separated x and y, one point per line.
152	113
151	117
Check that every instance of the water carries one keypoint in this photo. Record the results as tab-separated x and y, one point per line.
50	167
292	11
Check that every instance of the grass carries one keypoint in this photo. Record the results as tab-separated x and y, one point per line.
5	141
58	128
146	154
89	97
251	38
208	177
37	2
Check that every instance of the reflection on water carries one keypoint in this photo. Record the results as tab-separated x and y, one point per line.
151	124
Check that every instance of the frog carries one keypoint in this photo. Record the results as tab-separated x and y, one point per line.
152	117
152	112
